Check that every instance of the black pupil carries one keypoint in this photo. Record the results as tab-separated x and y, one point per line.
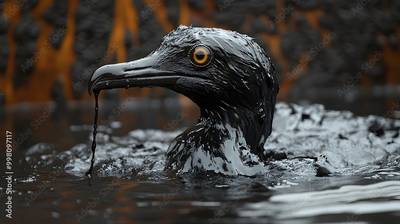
200	55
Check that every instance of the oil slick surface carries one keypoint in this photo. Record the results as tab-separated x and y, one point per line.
362	155
311	137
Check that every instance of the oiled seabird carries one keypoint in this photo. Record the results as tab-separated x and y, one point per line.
229	77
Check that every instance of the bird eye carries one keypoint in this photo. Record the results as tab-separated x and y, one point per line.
200	56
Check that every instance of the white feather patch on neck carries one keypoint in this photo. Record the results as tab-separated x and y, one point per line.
239	159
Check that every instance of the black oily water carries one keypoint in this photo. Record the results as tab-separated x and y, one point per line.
96	113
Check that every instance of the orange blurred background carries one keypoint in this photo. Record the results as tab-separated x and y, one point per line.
326	51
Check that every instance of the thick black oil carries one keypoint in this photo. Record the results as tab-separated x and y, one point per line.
96	115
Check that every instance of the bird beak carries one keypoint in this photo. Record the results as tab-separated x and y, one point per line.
140	73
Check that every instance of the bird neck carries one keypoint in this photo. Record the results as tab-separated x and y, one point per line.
223	135
247	122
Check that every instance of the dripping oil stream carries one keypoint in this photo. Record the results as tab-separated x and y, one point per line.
96	113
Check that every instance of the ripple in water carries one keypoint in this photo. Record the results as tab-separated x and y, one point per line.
333	163
351	199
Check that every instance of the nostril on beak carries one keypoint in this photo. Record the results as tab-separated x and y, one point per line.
133	68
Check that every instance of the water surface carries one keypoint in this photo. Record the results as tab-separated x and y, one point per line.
338	169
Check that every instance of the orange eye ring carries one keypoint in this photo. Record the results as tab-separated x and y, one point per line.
200	55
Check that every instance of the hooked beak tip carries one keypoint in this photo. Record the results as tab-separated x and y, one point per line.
97	75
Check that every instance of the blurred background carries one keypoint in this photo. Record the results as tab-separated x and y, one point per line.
340	53
343	54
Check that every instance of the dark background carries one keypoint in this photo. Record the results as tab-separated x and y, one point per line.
344	54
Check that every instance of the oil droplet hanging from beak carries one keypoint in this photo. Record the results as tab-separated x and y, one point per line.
96	112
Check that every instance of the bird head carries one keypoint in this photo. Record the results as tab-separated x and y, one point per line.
225	73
